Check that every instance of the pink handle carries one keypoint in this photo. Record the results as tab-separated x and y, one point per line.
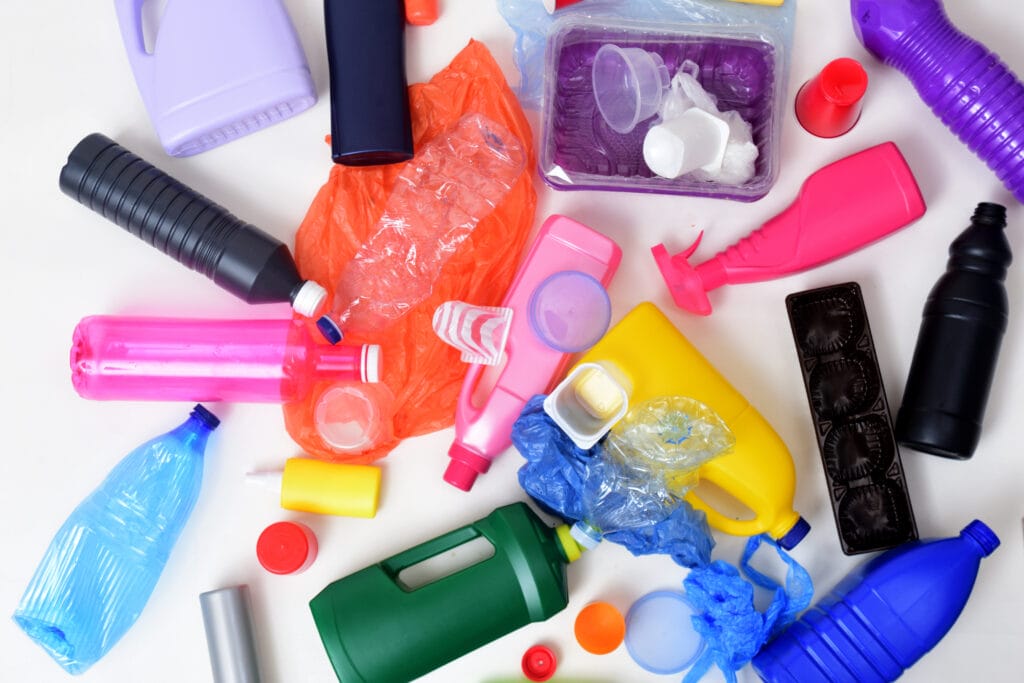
469	384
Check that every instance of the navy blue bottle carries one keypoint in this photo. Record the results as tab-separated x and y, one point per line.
882	617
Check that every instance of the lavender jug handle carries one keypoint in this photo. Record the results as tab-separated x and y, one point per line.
129	17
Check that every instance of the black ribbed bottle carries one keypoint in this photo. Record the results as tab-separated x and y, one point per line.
965	317
185	225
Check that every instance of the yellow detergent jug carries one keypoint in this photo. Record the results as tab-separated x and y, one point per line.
654	359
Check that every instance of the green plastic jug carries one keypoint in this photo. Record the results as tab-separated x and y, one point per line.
376	629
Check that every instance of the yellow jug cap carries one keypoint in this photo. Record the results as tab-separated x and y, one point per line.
569	545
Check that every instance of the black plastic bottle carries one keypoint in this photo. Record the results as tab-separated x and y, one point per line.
185	225
955	359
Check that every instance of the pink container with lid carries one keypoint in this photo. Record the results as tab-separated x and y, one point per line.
483	431
171	359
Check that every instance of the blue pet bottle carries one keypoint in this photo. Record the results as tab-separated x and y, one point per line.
102	565
883	617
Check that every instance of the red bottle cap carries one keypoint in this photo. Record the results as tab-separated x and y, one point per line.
539	663
829	104
286	548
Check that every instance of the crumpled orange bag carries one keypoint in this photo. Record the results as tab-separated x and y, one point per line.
423	374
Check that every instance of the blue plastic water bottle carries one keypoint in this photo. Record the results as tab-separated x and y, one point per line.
883	617
102	565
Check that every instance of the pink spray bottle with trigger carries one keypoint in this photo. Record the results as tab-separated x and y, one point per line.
483	430
841	208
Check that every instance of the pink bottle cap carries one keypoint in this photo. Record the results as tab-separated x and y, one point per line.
464	467
539	663
829	104
286	548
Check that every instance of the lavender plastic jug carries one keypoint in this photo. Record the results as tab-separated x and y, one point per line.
964	83
219	69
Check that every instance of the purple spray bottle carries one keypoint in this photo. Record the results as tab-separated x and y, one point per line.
964	83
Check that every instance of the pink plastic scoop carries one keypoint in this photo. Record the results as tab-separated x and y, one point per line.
840	208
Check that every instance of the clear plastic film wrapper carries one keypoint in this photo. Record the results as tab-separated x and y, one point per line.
421	375
628	488
649	461
457	179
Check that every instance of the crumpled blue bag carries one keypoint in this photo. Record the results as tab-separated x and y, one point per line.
555	476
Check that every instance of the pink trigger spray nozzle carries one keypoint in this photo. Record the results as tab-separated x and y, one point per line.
840	208
684	282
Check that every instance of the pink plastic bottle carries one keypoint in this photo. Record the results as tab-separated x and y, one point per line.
842	207
168	359
482	432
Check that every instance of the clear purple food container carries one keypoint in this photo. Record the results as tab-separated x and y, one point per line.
742	66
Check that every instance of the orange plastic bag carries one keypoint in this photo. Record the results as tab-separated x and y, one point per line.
421	376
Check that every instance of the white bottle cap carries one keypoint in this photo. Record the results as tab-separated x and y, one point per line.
583	534
695	139
369	364
309	299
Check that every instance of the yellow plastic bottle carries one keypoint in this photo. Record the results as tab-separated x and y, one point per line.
655	357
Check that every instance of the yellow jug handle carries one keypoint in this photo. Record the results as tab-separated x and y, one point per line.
734	527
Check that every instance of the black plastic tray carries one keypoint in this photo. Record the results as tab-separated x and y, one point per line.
867	485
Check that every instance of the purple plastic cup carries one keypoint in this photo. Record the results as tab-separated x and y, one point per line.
570	311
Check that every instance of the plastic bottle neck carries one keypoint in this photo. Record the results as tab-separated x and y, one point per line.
980	536
343	362
567	545
983	248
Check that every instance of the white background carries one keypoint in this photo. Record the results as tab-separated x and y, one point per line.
64	74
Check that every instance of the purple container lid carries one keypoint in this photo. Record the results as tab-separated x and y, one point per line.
579	151
570	311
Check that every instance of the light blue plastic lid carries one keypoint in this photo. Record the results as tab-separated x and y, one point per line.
570	311
659	633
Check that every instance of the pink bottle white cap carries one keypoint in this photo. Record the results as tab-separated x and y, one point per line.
369	363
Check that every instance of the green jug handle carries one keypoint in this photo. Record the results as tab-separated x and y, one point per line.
424	551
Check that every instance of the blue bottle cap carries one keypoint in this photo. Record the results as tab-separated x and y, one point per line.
795	535
205	416
980	533
329	329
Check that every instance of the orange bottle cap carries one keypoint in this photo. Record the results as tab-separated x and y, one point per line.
600	628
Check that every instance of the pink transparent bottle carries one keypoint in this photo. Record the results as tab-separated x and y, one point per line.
169	359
